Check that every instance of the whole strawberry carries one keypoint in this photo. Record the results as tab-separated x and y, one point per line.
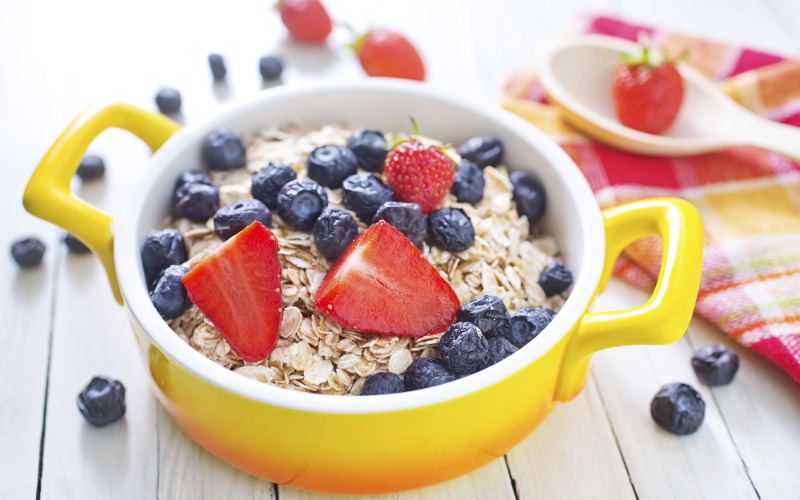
648	92
306	20
387	53
419	174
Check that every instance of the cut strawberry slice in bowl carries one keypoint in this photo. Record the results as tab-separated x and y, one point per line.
382	284
238	288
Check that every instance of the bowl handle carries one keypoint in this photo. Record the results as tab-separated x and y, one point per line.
664	317
48	194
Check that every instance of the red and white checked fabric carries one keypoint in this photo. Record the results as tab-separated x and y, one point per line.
748	198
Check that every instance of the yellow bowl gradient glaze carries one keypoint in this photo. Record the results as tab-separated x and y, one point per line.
377	444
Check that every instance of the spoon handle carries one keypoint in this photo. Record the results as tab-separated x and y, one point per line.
777	137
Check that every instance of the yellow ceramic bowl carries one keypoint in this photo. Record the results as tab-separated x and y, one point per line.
394	442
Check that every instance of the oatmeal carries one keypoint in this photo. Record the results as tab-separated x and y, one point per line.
314	353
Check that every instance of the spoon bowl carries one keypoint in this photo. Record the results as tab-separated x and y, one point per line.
577	75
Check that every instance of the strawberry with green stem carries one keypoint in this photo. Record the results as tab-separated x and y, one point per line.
648	91
387	53
417	173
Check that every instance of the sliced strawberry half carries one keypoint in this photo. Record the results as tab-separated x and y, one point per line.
382	284
238	287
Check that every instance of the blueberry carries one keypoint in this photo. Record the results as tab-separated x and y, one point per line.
330	165
427	372
482	150
450	229
74	245
160	250
489	314
270	67
268	181
463	348
468	183
527	323
498	349
217	65
529	195
196	202
333	231
189	177
715	364
382	383
28	252
555	278
678	408
91	167
300	203
364	194
168	100
405	217
231	219
223	149
102	401
369	146
169	295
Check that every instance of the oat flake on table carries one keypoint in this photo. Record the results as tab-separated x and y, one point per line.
314	353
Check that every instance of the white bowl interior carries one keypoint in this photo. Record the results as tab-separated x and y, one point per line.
572	216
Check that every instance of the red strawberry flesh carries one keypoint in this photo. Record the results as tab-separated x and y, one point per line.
238	287
383	284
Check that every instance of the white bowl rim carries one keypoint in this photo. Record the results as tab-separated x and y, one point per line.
137	300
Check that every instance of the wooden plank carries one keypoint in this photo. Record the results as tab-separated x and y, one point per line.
705	464
479	485
572	454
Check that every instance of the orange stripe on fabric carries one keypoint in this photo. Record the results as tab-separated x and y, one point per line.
738	283
791	318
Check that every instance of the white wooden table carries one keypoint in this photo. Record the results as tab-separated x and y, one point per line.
61	325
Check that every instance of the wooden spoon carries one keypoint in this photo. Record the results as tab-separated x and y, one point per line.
576	75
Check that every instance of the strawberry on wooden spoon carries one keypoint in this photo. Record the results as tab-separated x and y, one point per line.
384	52
382	284
648	91
238	287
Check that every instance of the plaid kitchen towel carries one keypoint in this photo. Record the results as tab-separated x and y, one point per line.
748	198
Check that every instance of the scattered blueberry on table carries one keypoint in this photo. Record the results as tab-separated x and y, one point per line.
267	183
529	195
382	383
333	232
715	364
28	252
364	194
427	372
217	65
270	67
102	401
528	323
678	408
91	167
405	217
161	249
463	348
483	150
450	229
74	245
555	278
331	165
468	183
488	313
223	149
369	146
300	203
168	100
232	218
169	295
